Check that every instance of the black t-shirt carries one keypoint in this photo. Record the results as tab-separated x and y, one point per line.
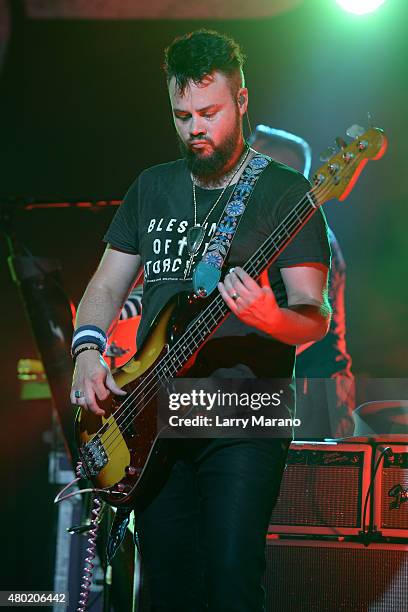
153	221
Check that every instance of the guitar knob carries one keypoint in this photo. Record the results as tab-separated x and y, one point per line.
122	487
342	144
362	145
131	470
355	131
333	168
327	154
348	156
318	179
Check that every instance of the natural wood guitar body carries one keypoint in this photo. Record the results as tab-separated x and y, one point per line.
125	439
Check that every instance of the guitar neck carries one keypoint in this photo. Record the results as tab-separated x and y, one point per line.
216	311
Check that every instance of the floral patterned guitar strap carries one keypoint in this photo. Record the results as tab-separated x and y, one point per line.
207	272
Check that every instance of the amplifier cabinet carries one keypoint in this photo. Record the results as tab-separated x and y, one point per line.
321	576
323	489
390	497
305	576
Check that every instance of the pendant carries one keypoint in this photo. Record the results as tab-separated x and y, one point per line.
195	237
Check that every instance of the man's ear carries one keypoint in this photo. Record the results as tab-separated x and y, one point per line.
242	99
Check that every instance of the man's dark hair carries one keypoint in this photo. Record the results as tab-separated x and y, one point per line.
193	56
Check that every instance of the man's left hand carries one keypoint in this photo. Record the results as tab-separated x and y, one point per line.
252	303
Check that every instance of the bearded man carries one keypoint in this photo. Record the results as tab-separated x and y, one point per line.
202	534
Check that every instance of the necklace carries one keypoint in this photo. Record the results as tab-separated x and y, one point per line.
195	234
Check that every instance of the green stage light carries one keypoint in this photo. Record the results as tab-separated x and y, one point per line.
360	7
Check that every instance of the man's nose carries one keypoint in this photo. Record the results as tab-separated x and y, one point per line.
197	126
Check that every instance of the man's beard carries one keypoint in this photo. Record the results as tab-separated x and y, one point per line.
211	166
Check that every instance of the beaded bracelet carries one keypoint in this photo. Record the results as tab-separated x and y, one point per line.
82	349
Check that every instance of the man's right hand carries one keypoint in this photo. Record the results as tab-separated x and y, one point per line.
93	377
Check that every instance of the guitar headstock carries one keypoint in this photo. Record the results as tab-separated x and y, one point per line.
337	177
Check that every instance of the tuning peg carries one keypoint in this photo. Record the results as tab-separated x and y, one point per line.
342	144
327	154
354	131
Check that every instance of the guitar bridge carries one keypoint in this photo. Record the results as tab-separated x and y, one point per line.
93	457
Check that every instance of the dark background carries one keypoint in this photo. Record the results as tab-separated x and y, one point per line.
84	108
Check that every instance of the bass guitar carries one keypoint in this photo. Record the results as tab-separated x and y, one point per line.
119	452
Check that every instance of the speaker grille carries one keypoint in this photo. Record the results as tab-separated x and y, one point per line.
396	518
322	490
324	579
390	507
319	496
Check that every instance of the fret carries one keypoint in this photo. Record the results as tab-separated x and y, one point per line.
175	362
260	262
186	353
173	370
272	241
298	215
198	335
222	309
201	322
163	378
168	368
193	339
287	232
165	371
214	319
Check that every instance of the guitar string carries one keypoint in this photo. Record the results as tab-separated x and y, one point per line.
203	318
220	307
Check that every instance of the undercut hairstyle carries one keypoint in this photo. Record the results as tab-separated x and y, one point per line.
191	57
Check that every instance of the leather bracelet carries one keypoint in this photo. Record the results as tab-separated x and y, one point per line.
82	349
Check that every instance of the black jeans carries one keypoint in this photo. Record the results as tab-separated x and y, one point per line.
202	537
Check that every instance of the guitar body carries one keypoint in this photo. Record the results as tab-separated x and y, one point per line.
121	452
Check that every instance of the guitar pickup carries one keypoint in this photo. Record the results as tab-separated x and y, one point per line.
93	457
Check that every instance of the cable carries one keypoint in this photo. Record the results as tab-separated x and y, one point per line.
91	550
385	451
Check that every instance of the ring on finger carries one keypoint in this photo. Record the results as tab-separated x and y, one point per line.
77	402
78	394
235	296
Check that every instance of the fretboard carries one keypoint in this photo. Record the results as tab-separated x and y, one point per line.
213	314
